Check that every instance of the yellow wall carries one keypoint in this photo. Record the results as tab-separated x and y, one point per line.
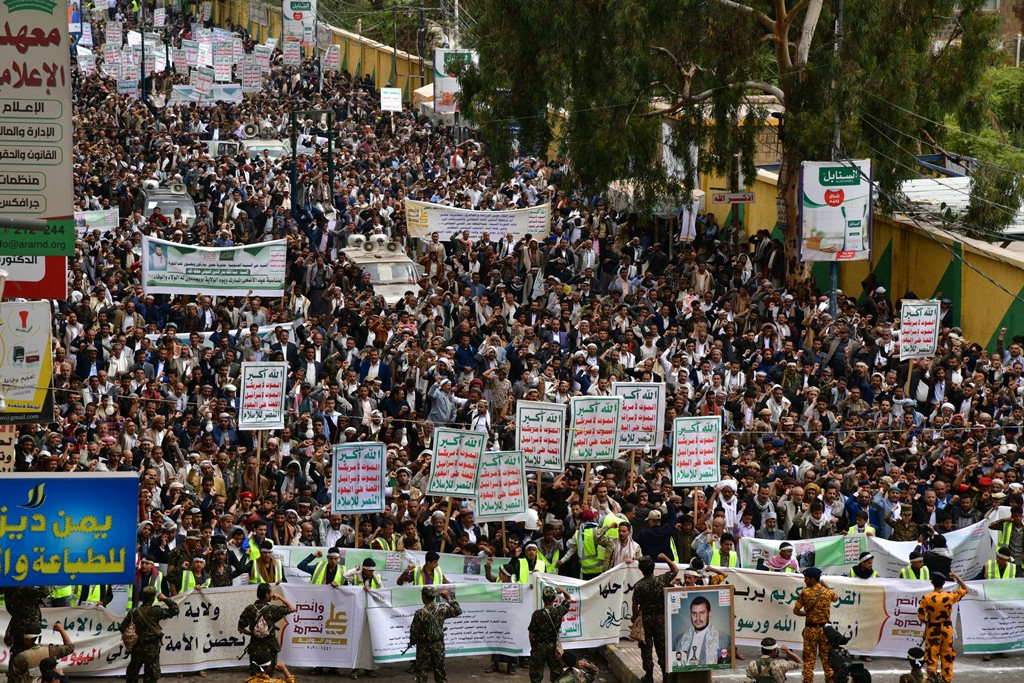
906	258
376	59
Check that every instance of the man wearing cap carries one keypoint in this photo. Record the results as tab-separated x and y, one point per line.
1002	567
147	617
184	552
916	569
768	667
402	485
427	633
770	529
33	653
649	605
658	537
263	614
935	610
23	604
545	625
584	543
815	604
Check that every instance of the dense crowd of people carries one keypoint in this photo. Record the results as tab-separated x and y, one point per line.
826	431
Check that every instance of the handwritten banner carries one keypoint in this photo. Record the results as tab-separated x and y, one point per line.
540	435
359	472
425	218
191	48
331	59
262	397
595	428
251	77
115	35
202	80
696	447
643	414
919	328
8	440
501	486
223	59
455	463
292	52
51	534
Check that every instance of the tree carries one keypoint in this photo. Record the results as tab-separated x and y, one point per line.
599	77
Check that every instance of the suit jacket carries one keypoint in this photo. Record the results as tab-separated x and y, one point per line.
290	351
383	372
356	415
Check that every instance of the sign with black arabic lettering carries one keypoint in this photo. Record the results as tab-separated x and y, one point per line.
919	328
540	435
456	461
35	134
696	447
51	534
595	428
358	481
261	401
501	486
643	414
8	440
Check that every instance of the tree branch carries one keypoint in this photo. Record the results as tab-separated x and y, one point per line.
765	88
765	20
686	70
791	14
803	43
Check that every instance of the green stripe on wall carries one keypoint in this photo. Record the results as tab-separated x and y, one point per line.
1012	320
951	282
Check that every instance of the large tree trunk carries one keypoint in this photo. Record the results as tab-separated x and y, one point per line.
798	274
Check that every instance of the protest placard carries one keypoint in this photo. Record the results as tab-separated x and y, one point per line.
262	395
919	328
696	446
358	482
642	423
115	36
540	435
292	52
456	458
594	432
191	49
251	76
501	485
223	60
203	80
331	59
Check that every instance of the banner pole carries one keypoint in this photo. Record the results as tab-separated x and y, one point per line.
447	520
695	490
539	475
586	485
504	538
358	520
632	471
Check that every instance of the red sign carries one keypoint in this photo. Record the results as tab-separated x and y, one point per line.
35	277
834	197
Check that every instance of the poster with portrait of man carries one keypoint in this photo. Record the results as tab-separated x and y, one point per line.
699	631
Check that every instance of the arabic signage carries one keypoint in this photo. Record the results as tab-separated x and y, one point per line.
359	474
292	52
262	395
919	328
425	219
298	19
594	434
994	612
456	460
223	59
835	210
732	198
8	442
501	486
696	448
540	435
643	414
35	277
25	364
53	535
446	81
699	629
35	131
252	75
391	99
169	268
331	59
326	627
102	220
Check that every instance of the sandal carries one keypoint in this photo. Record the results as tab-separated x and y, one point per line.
987	658
354	675
493	668
511	670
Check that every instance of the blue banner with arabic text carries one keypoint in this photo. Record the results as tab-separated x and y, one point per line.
67	529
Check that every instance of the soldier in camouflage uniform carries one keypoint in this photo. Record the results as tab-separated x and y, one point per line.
263	649
23	603
147	618
29	660
184	552
649	605
544	628
221	573
427	634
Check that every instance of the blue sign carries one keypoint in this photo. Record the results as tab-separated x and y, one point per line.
67	529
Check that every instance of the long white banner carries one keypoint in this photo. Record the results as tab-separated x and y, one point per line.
170	268
424	218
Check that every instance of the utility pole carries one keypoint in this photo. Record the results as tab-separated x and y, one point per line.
394	47
455	30
837	155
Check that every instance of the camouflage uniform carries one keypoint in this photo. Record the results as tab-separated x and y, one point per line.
29	659
544	627
22	604
816	601
935	610
427	635
220	578
262	649
146	652
649	596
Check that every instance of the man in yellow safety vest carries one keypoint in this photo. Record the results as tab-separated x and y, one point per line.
916	568
429	575
326	571
1002	567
